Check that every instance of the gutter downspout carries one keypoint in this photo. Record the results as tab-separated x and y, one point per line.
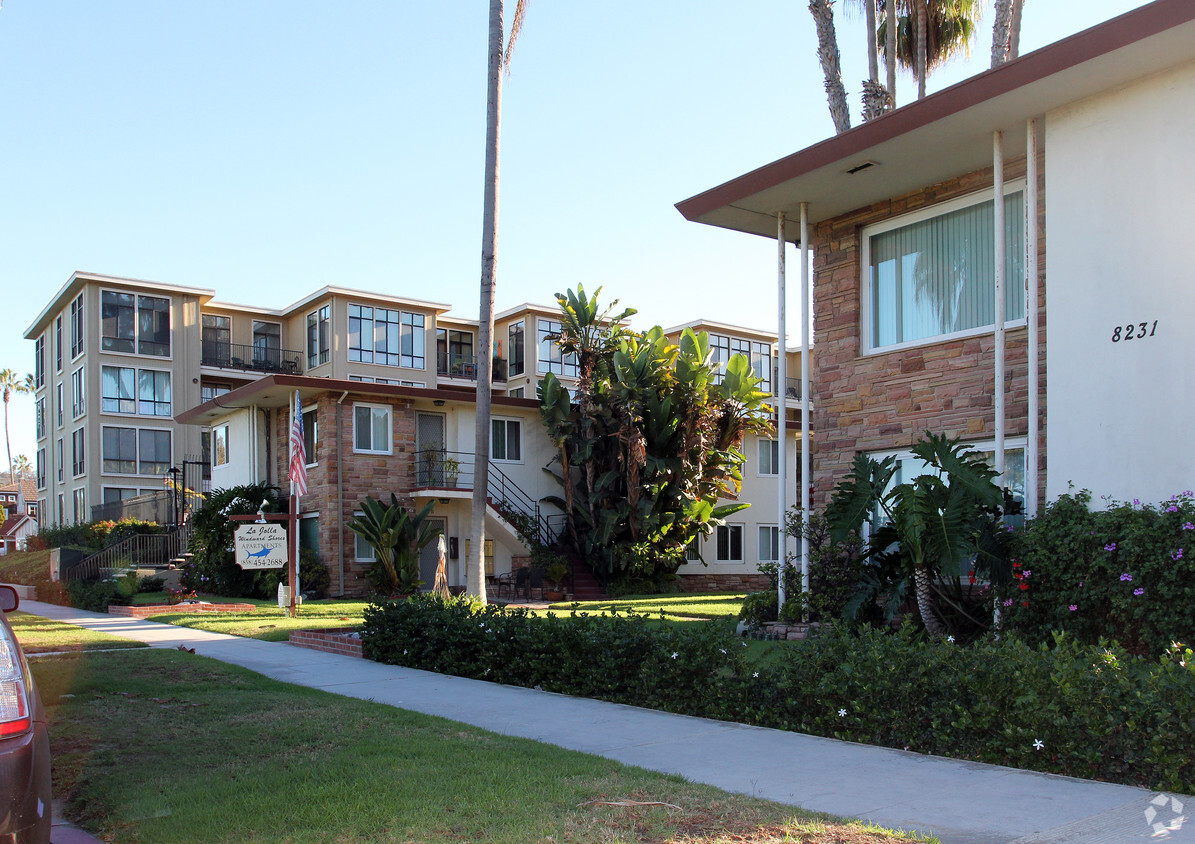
803	490
340	497
779	391
1031	282
998	209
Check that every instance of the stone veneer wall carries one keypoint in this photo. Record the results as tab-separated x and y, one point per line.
887	400
363	475
724	582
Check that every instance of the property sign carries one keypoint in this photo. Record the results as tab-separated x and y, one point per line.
260	546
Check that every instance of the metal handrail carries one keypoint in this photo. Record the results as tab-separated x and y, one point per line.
140	550
250	358
465	366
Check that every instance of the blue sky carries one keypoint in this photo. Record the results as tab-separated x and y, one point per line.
264	149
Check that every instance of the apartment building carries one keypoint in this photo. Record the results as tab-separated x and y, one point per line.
141	386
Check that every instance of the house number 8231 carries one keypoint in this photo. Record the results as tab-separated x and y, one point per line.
1134	331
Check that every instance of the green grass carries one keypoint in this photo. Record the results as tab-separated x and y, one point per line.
25	567
268	622
723	606
41	635
169	747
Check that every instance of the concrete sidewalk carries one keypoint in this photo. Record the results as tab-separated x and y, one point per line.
961	802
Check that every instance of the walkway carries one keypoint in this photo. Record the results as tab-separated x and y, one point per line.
961	802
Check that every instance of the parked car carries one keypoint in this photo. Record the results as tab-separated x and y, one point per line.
24	742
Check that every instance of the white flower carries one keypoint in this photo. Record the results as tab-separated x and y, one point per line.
949	638
723	650
1038	744
675	654
756	674
842	713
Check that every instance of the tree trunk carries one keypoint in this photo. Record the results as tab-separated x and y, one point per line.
827	52
890	51
1000	32
1014	29
475	562
873	57
925	603
922	47
7	445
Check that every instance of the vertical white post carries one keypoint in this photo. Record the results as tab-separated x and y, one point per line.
998	209
1031	276
778	391
803	489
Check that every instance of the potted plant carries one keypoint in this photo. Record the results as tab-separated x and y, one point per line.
556	576
452	470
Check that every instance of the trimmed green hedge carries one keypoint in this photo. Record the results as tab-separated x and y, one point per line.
1097	711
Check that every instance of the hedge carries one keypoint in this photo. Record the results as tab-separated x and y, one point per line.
1062	707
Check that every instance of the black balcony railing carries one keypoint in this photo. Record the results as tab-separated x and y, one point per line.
792	389
251	358
465	366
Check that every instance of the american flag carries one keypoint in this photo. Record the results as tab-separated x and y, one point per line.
298	451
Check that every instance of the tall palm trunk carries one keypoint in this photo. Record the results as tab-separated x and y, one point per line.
875	96
1000	32
475	562
827	52
1014	29
922	47
890	50
7	444
925	603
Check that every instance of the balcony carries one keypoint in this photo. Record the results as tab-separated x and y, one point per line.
250	358
465	366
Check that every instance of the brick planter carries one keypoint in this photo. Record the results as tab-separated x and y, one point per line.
334	640
160	609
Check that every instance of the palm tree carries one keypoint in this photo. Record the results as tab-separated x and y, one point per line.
1006	31
928	32
475	565
827	53
22	467
10	381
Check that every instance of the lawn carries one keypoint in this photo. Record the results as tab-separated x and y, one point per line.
169	747
674	607
25	567
267	622
41	635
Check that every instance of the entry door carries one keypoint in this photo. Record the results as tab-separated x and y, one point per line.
430	449
430	555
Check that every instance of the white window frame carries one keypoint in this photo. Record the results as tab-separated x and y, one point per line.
359	541
79	503
777	543
78	452
58	390
132	398
937	210
313	428
729	527
220	433
78	393
389	411
774	457
78	332
169	402
506	421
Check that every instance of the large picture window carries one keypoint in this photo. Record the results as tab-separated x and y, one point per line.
932	275
153	392
117	384
551	358
216	340
153	452
118	448
130	323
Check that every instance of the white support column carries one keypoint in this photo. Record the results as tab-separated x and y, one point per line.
778	390
803	489
1032	272
998	208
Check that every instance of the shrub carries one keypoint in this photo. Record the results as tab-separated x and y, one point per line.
212	568
1125	573
90	595
95	536
151	584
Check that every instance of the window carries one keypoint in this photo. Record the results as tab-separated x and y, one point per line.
118	450
317	336
78	400
454	353
362	551
41	417
930	275
310	437
131	323
487	553
78	449
216	340
516	393
412	341
58	344
759	355
77	327
388	337
39	362
220	446
506	443
153	452
730	543
80	505
41	468
769	544
267	342
209	391
769	457
693	551
61	455
58	391
153	392
371	428
116	385
61	510
116	494
761	362
551	358
515	348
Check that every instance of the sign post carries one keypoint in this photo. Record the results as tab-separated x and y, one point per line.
274	539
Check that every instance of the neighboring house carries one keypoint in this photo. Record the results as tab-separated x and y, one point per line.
139	384
20	499
902	215
15	531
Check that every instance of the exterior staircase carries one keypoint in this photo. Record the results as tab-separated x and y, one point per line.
585	586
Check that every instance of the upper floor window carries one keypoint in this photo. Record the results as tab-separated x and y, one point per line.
318	336
769	457
41	417
153	392
58	398
515	348
78	452
78	399
454	353
758	354
209	391
216	340
77	327
506	442
39	362
41	468
267	342
551	358
132	323
117	384
931	275
58	344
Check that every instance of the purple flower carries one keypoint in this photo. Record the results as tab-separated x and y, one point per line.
1008	603
1188	526
1138	591
1188	493
1126	576
1177	555
1136	502
1073	607
1173	508
1027	573
1111	546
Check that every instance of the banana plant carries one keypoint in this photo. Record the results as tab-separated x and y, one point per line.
397	537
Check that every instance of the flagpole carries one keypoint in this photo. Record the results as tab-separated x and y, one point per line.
293	577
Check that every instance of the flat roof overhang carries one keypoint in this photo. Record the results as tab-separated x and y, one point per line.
279	391
949	133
